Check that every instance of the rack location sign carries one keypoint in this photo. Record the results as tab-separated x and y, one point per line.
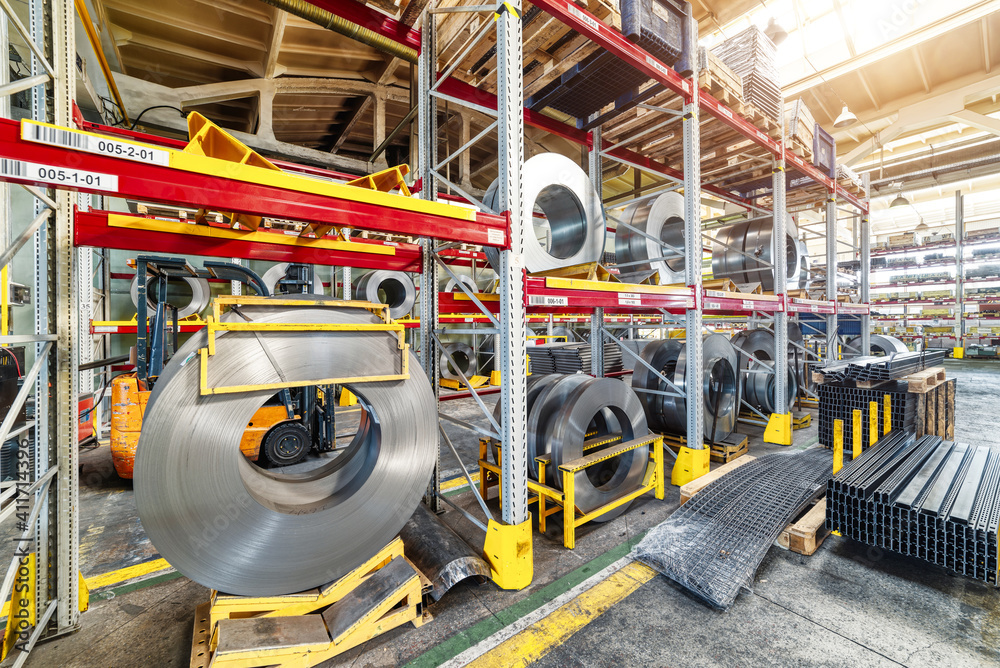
42	133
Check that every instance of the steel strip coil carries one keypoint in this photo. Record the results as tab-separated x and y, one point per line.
231	526
396	288
535	384
568	432
452	284
464	359
661	218
573	212
273	276
201	294
544	409
750	248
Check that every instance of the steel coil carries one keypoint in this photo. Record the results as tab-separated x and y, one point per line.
566	433
563	331
201	295
452	285
661	218
392	288
231	526
276	273
754	238
879	345
550	398
457	357
758	386
573	214
720	386
535	384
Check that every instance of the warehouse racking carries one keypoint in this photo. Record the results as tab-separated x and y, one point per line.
68	159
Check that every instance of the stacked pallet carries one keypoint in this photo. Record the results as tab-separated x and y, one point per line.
799	129
719	80
751	55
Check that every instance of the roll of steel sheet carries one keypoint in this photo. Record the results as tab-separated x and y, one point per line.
661	218
879	345
452	285
231	526
201	295
273	275
568	429
535	384
392	288
552	397
759	388
561	191
749	250
757	382
464	358
569	336
720	386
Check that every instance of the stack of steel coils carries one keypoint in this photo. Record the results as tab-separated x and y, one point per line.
392	288
572	228
638	255
756	364
565	412
720	382
750	251
231	526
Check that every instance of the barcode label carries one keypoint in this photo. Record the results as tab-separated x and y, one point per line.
543	300
589	20
59	176
749	303
495	237
81	141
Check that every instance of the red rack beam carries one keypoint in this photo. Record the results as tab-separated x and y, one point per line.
366	17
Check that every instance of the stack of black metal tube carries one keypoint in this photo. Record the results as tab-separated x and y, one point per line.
881	368
838	402
932	499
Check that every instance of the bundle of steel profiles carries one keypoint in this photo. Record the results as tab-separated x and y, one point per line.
571	358
882	368
714	543
932	499
838	402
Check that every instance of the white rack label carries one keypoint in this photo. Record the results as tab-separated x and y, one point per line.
60	176
495	236
543	300
749	303
589	20
629	299
713	306
81	141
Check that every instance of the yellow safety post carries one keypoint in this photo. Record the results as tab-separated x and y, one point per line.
691	464
856	443
779	429
4	301
508	552
495	377
958	352
886	414
838	445
872	423
348	398
21	616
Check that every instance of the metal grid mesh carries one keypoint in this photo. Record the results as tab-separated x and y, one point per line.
713	545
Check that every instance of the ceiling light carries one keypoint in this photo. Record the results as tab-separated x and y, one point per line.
846	119
775	32
899	201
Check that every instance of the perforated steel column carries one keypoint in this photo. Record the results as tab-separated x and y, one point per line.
693	251
780	260
865	239
594	167
511	343
831	278
959	268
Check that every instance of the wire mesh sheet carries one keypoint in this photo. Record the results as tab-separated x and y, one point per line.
713	545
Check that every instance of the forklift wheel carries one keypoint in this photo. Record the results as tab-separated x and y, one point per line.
287	443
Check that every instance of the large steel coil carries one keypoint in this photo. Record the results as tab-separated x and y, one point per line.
758	386
276	274
452	284
720	386
201	295
563	331
535	384
231	526
879	345
749	254
661	218
571	230
457	357
566	433
392	288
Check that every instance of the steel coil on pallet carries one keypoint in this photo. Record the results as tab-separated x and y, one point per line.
638	255
273	276
201	295
457	357
749	253
879	345
720	386
758	386
573	225
231	526
392	288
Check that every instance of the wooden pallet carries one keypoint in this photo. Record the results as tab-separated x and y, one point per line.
735	445
807	532
922	381
695	486
935	414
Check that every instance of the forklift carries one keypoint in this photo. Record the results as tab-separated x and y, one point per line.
281	433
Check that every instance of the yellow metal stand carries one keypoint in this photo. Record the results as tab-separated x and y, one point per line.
495	378
348	398
455	384
691	464
551	500
779	429
310	627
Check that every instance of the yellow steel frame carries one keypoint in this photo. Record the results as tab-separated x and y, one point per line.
399	607
561	500
214	324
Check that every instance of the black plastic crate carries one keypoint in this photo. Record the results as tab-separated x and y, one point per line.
825	152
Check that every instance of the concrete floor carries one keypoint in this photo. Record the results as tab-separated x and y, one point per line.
845	605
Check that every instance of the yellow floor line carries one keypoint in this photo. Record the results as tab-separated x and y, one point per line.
460	481
540	638
127	573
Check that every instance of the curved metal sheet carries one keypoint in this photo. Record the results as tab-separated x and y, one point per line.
440	553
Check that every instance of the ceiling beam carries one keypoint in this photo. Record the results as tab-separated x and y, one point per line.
978	121
182	51
987	47
144	12
279	21
904	43
868	89
360	107
918	58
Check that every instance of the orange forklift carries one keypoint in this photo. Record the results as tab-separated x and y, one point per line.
281	433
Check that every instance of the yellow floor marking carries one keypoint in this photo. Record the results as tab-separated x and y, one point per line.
540	638
460	481
127	573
